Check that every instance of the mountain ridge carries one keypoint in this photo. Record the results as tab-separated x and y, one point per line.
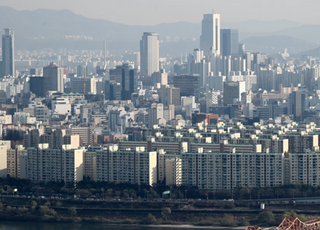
54	25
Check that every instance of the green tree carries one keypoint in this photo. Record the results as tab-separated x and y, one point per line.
45	210
72	211
150	219
22	210
266	217
165	213
33	204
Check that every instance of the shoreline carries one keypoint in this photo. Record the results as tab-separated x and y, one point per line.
193	226
182	226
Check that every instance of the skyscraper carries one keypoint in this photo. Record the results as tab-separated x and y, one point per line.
210	35
149	53
125	76
296	104
53	78
229	42
8	53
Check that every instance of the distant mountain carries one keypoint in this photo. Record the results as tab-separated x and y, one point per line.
257	27
309	33
45	28
313	52
277	43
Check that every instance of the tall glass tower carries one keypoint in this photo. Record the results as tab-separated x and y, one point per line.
229	42
210	35
8	53
149	53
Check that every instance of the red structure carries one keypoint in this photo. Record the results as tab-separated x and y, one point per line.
293	223
210	118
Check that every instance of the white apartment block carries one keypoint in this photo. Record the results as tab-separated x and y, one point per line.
304	168
13	157
163	167
173	171
228	170
90	165
127	166
3	161
23	118
64	164
5	119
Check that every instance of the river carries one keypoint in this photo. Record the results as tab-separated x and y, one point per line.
4	225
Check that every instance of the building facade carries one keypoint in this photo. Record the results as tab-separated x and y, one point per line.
8	65
149	53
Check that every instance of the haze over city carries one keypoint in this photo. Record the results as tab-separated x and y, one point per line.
151	12
190	113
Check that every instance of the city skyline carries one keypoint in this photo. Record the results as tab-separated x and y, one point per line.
144	12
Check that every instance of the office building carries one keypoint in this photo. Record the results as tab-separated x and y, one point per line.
188	84
8	67
125	76
160	78
155	113
210	34
82	71
296	104
149	53
36	85
229	42
232	92
169	95
83	85
53	78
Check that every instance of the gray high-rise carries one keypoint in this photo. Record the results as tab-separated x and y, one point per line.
229	42
7	67
149	53
210	35
53	76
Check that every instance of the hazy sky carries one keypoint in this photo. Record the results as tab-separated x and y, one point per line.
150	12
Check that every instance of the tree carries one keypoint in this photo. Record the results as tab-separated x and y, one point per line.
165	213
33	204
228	220
266	217
151	219
73	212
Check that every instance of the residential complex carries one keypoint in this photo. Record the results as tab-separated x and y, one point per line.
218	118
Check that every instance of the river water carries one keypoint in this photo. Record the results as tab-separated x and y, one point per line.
4	225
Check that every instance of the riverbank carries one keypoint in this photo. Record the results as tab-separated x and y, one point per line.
186	226
158	214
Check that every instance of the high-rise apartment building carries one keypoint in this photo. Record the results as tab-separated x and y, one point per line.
229	42
65	164
135	166
210	35
7	67
149	53
53	78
